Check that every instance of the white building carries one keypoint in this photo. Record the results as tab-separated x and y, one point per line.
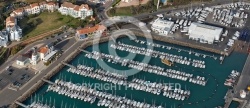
29	57
47	52
42	6
15	33
10	22
51	6
3	38
75	11
13	29
35	8
18	13
85	11
161	26
204	33
34	57
22	60
27	10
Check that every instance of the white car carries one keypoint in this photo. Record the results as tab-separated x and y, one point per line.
7	67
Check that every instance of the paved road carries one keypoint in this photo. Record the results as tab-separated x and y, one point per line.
12	59
161	11
10	96
27	48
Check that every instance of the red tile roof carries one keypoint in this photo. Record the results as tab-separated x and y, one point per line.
91	29
76	8
27	7
42	3
10	19
43	50
34	5
85	6
51	3
68	5
18	10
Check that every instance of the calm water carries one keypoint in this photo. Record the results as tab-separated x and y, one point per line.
208	96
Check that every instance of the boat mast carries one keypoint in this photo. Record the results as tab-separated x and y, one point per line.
50	101
31	99
54	103
62	104
74	105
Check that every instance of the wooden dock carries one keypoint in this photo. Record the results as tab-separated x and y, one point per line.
71	66
85	51
48	81
22	105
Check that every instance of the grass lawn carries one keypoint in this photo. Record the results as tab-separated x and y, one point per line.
132	10
45	22
122	11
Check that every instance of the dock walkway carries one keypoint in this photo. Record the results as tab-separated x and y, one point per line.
71	66
244	80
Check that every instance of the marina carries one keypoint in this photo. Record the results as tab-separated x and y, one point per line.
137	84
161	55
196	95
87	94
149	68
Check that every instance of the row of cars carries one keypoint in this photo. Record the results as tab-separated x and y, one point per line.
198	13
236	5
229	17
235	37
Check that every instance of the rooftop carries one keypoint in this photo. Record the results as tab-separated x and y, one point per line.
42	3
76	8
43	50
27	7
205	30
18	10
28	54
91	29
85	6
21	58
162	24
50	55
25	56
34	5
51	3
10	19
68	5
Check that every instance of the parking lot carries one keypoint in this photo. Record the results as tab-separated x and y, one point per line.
15	76
231	17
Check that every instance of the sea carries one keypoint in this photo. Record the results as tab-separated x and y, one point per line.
209	96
